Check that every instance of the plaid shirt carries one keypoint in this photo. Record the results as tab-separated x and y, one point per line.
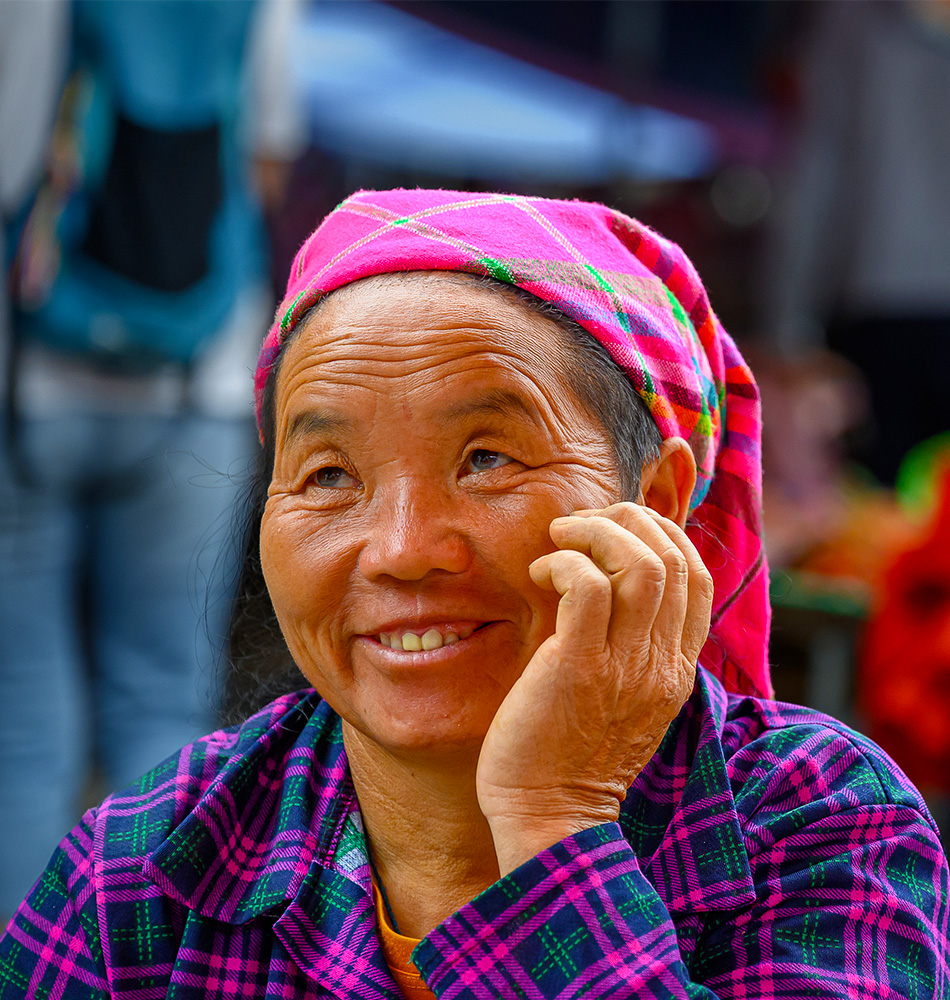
766	851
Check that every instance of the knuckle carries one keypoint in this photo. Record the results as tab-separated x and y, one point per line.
645	580
591	579
626	513
675	563
669	694
681	680
627	507
583	574
653	568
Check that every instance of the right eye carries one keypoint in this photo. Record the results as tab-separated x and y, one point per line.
332	477
482	460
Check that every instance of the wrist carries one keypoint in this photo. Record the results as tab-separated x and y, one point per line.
520	836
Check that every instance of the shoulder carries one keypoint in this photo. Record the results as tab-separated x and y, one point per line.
791	768
136	819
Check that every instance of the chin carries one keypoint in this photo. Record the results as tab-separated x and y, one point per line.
420	728
419	703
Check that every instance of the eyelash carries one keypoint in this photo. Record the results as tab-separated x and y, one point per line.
469	464
313	478
487	451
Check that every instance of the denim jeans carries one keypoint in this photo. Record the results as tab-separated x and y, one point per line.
117	563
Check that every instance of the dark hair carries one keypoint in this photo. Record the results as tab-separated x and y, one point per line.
602	387
261	667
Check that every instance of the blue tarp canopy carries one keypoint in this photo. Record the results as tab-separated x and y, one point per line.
384	86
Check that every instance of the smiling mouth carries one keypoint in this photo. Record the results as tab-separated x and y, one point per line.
410	641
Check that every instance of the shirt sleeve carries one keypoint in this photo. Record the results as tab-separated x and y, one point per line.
863	917
51	947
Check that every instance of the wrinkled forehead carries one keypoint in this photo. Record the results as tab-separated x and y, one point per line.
418	318
436	350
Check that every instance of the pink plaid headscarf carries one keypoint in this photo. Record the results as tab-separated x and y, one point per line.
640	297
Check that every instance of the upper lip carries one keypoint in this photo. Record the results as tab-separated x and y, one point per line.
423	624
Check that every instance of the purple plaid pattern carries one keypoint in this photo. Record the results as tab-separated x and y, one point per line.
766	851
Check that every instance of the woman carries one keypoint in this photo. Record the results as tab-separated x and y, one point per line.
514	781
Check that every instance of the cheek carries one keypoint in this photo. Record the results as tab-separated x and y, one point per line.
300	568
521	525
520	534
517	533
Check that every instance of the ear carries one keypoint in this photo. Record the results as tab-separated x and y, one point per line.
666	483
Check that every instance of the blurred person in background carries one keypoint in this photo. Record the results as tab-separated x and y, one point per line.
139	278
34	43
861	256
33	47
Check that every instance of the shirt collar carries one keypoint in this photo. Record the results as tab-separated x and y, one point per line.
274	811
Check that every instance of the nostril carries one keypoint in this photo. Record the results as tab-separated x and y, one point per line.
411	545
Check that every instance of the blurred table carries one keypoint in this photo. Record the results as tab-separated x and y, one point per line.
816	625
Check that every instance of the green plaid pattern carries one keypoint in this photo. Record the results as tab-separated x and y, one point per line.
765	851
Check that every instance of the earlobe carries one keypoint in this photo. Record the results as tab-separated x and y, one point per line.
666	483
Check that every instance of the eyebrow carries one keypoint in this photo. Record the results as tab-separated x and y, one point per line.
502	402
314	422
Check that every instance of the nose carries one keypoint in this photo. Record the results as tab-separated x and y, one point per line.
412	531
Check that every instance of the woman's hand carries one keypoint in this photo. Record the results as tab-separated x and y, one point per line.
597	697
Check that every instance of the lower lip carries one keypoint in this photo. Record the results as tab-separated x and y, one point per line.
427	657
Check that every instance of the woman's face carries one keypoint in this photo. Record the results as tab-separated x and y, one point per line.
425	437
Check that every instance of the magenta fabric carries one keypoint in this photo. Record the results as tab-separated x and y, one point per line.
640	297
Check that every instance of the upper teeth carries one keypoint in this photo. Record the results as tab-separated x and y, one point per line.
432	639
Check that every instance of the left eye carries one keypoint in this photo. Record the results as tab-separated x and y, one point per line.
481	460
332	477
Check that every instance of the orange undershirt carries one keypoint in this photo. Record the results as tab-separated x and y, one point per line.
396	950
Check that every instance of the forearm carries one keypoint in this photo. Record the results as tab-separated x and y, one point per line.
585	917
580	917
